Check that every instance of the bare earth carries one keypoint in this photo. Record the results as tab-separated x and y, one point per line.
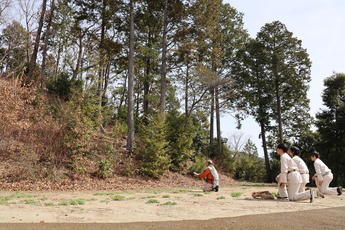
176	209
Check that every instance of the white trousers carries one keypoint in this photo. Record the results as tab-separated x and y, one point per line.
282	191
325	183
296	195
302	187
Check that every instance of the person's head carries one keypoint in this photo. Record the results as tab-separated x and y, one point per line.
282	148
294	151
314	155
209	162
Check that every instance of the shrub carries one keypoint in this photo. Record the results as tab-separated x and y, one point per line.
199	165
154	147
105	168
63	87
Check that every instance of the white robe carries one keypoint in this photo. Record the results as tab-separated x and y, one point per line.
214	174
302	168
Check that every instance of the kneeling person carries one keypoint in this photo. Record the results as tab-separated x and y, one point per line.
211	177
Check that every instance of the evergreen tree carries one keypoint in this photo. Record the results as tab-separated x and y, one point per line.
153	147
330	124
272	73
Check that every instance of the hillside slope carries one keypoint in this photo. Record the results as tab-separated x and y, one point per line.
32	157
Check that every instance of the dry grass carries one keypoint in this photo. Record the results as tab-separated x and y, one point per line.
34	154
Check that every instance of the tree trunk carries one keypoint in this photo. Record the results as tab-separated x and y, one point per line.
219	135
186	91
80	53
130	118
264	145
37	41
279	113
212	117
46	39
164	53
101	61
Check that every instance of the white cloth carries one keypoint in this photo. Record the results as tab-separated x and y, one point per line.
292	178
320	169
303	195
286	166
214	174
303	170
325	183
324	174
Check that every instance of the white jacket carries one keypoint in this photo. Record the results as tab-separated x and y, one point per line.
303	169
287	175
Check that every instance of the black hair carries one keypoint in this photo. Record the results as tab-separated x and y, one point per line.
283	147
295	151
315	154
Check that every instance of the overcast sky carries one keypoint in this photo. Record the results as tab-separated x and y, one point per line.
320	24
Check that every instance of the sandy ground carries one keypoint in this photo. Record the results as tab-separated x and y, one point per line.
155	206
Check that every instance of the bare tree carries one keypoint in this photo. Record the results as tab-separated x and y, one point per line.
27	10
4	4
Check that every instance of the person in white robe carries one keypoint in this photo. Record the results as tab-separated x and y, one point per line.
294	152
323	176
290	176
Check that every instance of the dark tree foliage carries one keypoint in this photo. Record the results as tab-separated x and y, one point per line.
330	124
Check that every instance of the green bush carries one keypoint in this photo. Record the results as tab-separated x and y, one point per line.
154	147
63	86
180	136
199	164
105	169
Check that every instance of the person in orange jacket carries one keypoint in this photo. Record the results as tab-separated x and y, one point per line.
211	177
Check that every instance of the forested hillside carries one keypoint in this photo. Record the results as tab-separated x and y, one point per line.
137	88
35	154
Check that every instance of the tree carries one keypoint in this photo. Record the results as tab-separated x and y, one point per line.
153	147
249	166
32	67
330	123
254	99
47	37
130	118
211	35
288	69
164	58
28	9
13	48
4	5
271	74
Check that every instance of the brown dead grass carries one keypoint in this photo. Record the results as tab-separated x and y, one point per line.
32	158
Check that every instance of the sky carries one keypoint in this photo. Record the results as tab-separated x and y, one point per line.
319	24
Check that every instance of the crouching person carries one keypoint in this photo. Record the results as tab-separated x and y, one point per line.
211	177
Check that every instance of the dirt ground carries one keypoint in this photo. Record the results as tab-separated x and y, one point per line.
231	208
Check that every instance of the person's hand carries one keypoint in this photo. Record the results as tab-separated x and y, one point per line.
277	179
196	175
313	177
320	183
